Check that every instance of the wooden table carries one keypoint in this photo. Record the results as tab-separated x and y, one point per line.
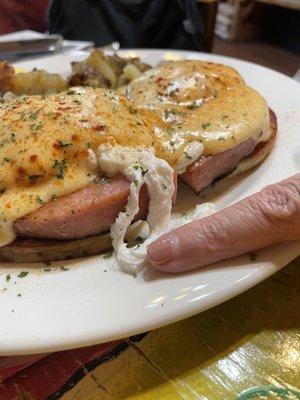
246	348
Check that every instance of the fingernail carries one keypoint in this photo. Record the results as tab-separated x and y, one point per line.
163	249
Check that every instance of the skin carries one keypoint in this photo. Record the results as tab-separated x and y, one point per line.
268	217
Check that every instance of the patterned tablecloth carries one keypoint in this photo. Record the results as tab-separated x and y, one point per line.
246	348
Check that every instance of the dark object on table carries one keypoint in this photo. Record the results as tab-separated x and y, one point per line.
170	24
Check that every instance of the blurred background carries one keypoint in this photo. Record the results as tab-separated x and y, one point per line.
263	31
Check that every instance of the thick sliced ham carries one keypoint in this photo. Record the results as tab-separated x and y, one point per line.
89	211
208	168
86	212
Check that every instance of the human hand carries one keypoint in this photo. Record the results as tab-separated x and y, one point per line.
265	218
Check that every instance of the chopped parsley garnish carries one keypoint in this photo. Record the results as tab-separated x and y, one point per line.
205	125
71	92
33	116
139	239
76	101
23	274
193	106
35	127
102	180
132	110
169	113
6	159
141	168
33	178
173	92
62	143
221	138
13	137
8	277
172	113
39	200
108	255
187	155
62	268
60	167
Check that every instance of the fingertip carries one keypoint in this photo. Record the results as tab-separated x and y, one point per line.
163	250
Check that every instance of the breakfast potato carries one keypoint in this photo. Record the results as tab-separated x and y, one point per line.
101	70
33	82
37	82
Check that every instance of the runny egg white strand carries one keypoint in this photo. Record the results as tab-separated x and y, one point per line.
141	166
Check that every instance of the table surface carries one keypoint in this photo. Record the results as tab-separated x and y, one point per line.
246	348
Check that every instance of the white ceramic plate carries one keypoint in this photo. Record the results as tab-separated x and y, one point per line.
86	305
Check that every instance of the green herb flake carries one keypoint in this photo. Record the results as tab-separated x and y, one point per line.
47	269
62	143
205	125
64	269
40	201
35	127
103	180
132	110
8	277
23	274
60	167
139	240
187	155
6	159
33	178
108	255
143	170
193	106
33	116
